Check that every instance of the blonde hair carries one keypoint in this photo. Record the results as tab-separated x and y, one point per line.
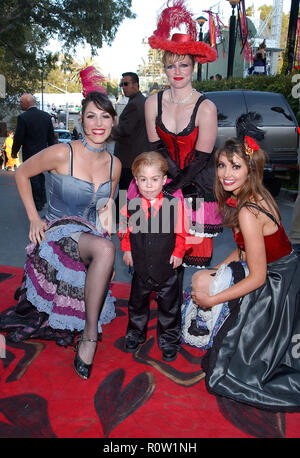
170	58
148	159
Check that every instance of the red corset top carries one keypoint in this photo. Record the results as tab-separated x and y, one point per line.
277	244
180	146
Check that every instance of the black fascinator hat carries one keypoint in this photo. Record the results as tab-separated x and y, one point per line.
246	126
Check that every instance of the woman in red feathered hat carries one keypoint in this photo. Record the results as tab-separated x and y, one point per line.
182	125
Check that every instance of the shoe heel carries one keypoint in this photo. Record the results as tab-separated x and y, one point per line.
81	368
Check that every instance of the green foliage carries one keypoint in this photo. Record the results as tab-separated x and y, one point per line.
26	26
73	22
278	83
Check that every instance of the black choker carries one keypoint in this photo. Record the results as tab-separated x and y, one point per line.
91	148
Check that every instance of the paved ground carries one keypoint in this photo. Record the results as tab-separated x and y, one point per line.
14	231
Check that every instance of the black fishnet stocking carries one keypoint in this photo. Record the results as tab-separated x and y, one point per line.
98	254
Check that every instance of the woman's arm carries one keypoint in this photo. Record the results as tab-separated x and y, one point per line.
234	256
150	118
207	122
116	173
50	158
105	214
252	231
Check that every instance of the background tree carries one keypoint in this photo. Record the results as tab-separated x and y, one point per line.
26	26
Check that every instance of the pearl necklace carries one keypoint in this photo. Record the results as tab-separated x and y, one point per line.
183	100
91	148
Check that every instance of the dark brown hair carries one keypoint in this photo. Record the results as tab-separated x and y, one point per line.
253	189
101	101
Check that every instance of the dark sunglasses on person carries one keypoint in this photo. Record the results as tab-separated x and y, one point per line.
125	83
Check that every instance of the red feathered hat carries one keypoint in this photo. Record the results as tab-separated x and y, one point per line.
180	43
91	80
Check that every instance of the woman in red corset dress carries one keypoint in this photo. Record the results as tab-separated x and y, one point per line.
254	355
182	125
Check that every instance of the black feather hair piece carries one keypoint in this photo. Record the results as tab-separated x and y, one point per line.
246	124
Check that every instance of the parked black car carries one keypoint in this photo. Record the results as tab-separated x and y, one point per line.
281	142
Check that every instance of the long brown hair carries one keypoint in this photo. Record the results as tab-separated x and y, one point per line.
253	189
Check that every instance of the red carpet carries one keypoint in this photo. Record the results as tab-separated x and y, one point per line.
127	396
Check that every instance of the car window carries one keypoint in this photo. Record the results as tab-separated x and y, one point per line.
64	134
230	106
272	107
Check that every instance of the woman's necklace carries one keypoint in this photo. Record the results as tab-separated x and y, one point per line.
91	148
183	100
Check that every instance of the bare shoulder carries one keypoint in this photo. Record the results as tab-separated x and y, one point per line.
117	163
207	116
151	101
208	108
117	167
56	153
247	213
250	218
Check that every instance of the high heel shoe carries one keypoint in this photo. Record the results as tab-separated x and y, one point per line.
82	369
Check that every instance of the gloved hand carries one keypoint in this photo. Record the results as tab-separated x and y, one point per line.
186	175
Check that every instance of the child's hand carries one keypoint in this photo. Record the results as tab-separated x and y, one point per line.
175	261
127	258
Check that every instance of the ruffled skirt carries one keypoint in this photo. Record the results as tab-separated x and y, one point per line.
51	297
255	356
199	327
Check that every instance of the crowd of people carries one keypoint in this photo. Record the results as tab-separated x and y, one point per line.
181	192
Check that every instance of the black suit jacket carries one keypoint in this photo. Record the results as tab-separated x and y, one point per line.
130	134
34	132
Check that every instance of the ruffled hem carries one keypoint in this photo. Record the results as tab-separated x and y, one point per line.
73	323
55	277
196	320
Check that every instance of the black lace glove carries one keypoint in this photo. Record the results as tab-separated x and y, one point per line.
161	148
186	175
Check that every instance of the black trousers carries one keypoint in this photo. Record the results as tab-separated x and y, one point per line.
169	300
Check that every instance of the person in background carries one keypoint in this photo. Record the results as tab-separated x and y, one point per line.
260	61
75	135
11	163
130	133
34	132
154	245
